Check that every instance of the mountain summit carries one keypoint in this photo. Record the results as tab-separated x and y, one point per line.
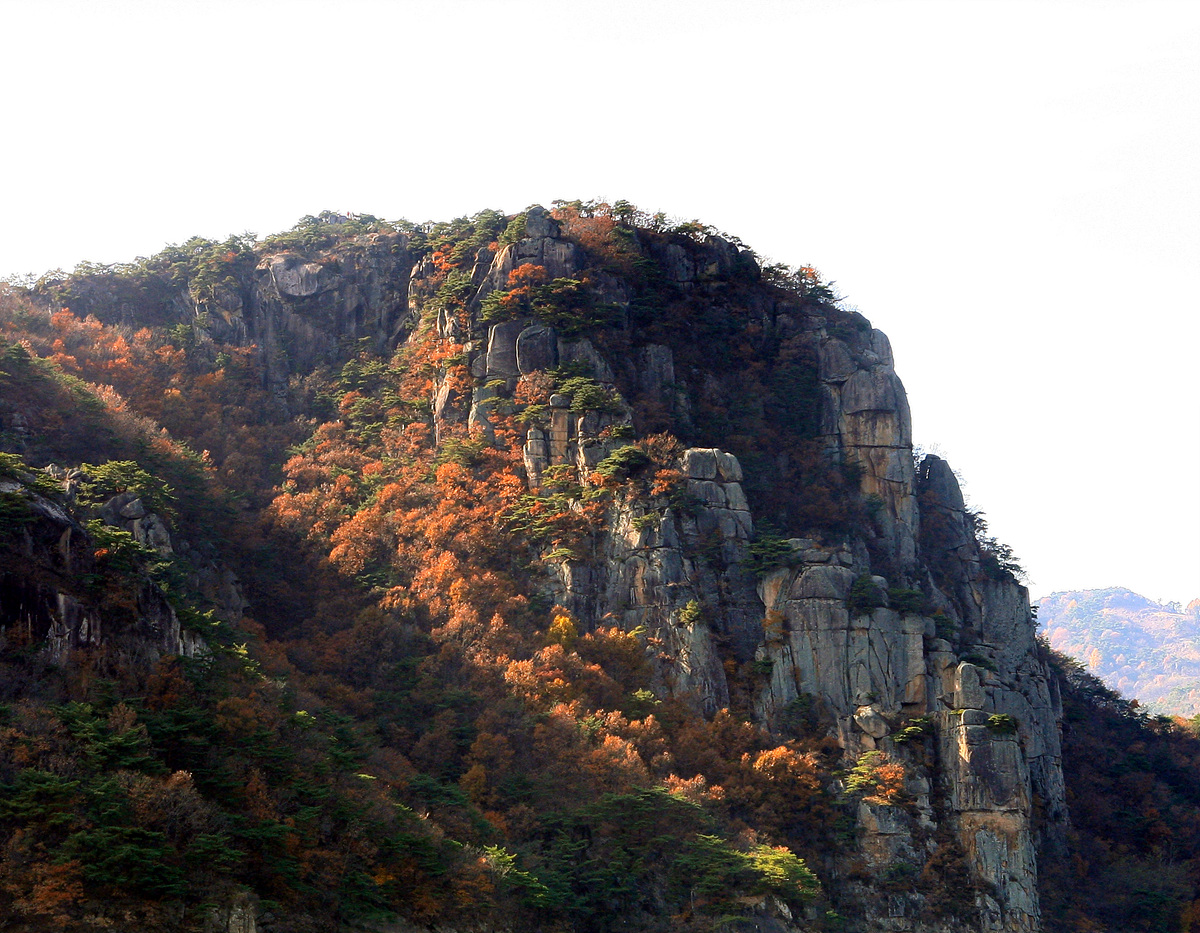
567	570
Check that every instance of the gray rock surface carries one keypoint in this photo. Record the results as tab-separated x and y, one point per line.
540	246
536	348
238	915
41	607
295	278
680	579
583	351
539	224
502	349
301	312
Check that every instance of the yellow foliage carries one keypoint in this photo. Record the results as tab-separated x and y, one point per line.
563	630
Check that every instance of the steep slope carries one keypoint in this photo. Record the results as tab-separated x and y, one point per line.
152	774
598	535
1134	799
957	650
1147	651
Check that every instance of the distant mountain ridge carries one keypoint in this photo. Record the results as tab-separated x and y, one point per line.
1149	651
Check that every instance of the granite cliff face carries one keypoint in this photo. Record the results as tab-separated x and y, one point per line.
895	624
302	309
836	624
54	592
897	631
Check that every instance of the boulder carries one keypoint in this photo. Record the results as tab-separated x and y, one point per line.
700	463
823	582
871	721
735	498
133	509
937	479
968	687
728	468
150	531
710	493
502	349
536	349
539	223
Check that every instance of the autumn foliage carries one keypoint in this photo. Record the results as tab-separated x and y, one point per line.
406	723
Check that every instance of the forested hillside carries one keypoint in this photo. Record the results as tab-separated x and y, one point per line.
564	571
1147	650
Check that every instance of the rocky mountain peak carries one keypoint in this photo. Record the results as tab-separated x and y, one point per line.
619	486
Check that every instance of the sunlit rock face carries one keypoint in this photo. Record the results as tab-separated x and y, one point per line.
905	621
677	576
959	655
902	624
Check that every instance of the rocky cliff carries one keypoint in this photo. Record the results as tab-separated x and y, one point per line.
771	544
57	590
938	641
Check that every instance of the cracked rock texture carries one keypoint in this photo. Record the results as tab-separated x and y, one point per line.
959	657
679	576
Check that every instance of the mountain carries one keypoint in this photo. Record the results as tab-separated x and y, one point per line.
1146	650
566	570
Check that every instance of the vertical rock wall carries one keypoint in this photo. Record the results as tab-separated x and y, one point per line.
965	661
303	312
41	599
677	576
901	622
865	419
905	621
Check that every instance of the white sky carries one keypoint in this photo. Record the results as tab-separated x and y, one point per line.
1009	189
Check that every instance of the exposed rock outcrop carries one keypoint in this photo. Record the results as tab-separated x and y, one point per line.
907	638
865	417
44	597
301	312
238	915
541	246
942	639
677	576
904	620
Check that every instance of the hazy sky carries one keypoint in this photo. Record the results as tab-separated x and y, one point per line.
1009	189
